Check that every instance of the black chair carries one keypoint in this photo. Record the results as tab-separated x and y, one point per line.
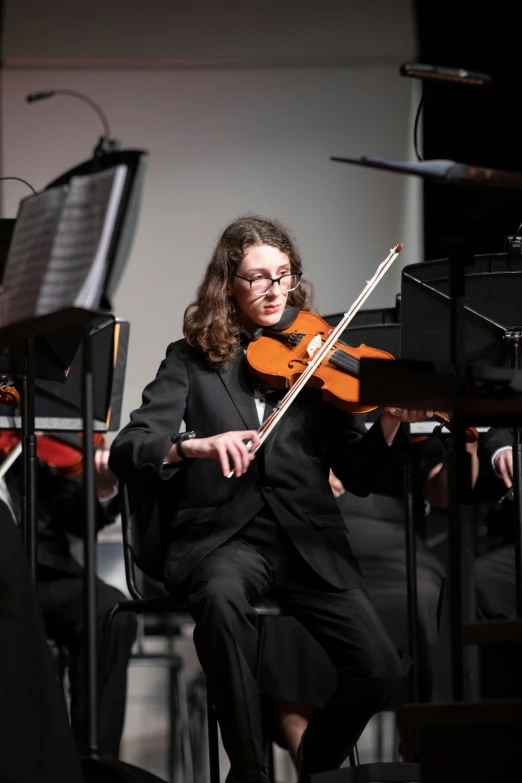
179	726
143	543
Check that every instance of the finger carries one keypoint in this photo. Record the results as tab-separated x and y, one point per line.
246	454
223	458
101	458
234	455
504	472
253	436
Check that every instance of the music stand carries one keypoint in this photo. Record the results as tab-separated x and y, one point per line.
58	402
90	210
381	328
458	381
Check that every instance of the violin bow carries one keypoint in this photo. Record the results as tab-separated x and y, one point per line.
11	457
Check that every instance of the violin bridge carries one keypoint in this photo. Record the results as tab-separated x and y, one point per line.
314	345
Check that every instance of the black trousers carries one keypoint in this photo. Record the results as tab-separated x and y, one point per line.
36	743
222	591
60	596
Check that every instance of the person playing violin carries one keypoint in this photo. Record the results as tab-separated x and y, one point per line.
274	528
60	589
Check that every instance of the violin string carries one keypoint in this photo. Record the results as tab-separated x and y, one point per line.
294	390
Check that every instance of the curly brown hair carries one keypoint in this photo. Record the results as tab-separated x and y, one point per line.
212	322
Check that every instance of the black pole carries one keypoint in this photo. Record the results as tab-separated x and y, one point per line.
412	593
29	521
513	337
411	580
90	545
460	508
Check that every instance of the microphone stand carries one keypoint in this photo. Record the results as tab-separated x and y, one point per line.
514	337
105	143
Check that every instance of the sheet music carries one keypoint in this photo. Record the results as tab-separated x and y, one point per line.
29	253
58	255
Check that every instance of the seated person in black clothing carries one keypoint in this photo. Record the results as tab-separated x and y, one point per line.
295	674
36	740
276	527
60	512
495	570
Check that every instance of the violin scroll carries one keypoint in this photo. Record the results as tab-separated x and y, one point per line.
9	394
442	417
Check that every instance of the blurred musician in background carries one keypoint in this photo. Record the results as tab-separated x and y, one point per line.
495	570
35	738
60	591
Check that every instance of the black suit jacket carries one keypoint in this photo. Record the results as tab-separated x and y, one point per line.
202	509
492	440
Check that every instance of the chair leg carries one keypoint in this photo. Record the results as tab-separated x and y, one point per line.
269	758
197	698
379	719
354	757
173	724
183	711
213	743
395	742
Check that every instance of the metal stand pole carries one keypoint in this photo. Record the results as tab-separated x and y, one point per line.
90	545
29	521
461	544
514	337
411	577
410	507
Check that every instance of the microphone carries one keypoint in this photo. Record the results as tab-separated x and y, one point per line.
442	74
39	96
105	143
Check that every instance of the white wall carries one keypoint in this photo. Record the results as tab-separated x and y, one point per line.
224	141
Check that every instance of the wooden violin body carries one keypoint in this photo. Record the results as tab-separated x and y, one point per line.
280	359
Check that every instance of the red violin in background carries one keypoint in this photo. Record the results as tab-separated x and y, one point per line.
62	452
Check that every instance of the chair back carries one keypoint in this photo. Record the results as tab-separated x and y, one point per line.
147	504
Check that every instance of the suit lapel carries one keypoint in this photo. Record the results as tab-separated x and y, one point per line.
237	382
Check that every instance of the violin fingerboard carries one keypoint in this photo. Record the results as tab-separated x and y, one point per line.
344	361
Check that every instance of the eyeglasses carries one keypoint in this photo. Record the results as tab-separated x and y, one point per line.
261	286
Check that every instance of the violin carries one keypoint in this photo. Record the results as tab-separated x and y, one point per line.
62	453
280	362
